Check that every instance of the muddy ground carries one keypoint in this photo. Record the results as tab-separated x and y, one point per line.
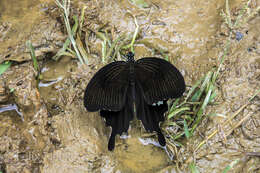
52	132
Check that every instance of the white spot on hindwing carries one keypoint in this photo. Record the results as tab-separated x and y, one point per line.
158	103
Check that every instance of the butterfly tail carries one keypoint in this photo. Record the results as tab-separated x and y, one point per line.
111	142
119	120
161	138
151	115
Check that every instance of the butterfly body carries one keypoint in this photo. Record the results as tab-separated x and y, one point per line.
119	87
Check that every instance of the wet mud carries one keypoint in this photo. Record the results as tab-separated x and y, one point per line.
44	126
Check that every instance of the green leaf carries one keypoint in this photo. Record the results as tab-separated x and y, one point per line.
4	66
12	90
193	168
140	3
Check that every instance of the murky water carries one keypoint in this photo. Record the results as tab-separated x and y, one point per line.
57	134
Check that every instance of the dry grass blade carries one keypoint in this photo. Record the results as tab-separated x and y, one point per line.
81	49
65	6
66	44
113	48
238	124
81	19
229	120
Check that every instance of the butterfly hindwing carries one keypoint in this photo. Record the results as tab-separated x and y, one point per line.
159	79
107	89
119	120
150	115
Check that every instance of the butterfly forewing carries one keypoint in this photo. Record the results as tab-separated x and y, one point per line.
107	89
159	79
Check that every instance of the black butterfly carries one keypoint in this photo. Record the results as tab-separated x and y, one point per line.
121	87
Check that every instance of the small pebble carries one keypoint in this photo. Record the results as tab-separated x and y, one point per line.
239	36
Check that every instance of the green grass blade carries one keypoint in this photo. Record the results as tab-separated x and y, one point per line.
104	51
101	35
204	84
81	49
186	130
4	66
256	93
113	45
178	135
193	168
72	40
12	90
196	95
72	52
230	166
82	19
35	63
75	26
189	118
193	88
66	44
171	123
108	39
177	111
202	108
206	100
140	3
218	115
215	75
174	105
213	96
131	45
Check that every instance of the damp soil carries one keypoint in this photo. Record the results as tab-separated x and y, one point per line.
44	126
